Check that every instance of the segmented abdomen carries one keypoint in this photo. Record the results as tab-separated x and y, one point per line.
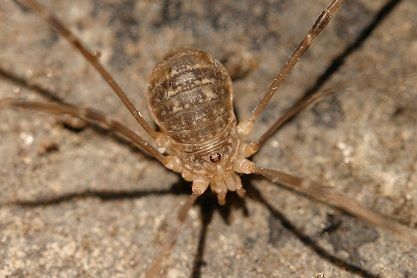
190	96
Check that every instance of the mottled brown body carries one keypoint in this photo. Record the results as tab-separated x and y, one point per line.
190	97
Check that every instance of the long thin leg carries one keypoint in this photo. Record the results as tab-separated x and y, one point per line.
154	269
321	22
298	107
86	114
344	203
91	58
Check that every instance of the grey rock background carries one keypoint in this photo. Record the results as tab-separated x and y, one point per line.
81	202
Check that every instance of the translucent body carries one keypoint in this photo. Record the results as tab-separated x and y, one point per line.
191	99
190	96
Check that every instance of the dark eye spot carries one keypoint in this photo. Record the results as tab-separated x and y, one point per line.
215	158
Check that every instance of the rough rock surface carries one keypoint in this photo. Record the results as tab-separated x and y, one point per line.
79	201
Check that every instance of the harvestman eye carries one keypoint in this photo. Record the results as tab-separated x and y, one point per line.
192	74
215	158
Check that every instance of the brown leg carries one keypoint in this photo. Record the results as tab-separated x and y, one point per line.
344	203
89	115
298	107
91	58
155	268
246	127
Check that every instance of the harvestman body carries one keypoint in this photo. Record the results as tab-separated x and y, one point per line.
190	97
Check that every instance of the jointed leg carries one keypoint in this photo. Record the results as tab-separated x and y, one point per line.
89	115
344	203
91	58
299	106
154	269
321	22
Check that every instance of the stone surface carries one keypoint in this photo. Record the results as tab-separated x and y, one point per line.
81	202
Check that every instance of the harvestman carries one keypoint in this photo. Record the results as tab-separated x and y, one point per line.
190	98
